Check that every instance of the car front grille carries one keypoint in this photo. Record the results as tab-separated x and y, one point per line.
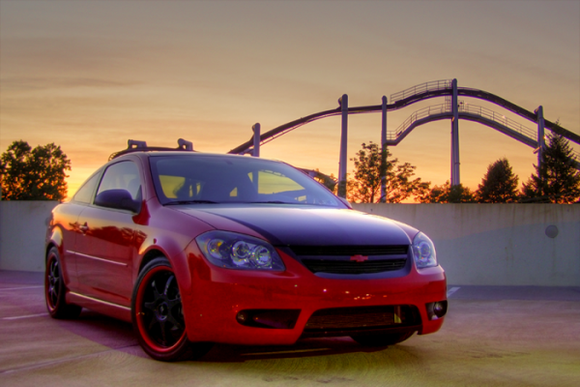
353	267
352	259
349	250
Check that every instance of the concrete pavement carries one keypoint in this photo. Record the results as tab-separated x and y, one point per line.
492	336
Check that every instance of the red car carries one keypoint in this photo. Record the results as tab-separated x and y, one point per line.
197	248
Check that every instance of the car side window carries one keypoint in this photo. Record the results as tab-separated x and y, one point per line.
85	192
123	175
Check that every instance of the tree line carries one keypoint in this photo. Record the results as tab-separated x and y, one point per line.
40	173
555	180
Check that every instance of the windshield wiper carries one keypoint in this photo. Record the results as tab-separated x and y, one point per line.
191	202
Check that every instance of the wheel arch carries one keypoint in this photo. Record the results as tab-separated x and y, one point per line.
49	246
149	256
177	259
54	239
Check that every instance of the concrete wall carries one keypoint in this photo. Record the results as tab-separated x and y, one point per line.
477	244
498	244
22	231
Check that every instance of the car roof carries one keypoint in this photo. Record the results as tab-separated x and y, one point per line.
153	153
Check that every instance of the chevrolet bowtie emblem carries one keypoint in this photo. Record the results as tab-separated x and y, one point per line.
359	258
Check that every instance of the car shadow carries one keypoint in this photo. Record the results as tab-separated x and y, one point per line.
314	347
101	329
119	335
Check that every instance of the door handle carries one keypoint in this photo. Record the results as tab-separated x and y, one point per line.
84	228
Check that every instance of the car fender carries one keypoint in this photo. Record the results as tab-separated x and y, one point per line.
171	249
54	237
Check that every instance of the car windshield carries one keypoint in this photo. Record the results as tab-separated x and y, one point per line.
190	179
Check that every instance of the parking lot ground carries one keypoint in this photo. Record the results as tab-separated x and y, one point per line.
492	336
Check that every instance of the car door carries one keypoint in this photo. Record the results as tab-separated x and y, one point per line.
66	219
106	250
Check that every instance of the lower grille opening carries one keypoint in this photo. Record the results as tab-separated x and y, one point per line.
346	321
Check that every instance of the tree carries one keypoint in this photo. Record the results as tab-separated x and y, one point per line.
33	174
329	182
447	194
499	185
556	179
366	186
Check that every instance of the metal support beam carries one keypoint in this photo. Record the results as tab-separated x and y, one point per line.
256	150
384	151
541	143
455	137
343	102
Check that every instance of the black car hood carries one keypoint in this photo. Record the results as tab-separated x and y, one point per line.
289	225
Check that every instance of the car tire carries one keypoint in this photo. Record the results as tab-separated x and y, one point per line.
55	290
157	315
382	340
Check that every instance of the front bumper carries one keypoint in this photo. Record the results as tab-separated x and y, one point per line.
213	303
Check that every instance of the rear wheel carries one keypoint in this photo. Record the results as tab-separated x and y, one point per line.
54	289
382	340
157	315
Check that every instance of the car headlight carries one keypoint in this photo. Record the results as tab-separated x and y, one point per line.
237	251
424	251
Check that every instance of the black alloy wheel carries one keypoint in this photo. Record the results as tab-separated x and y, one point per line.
54	289
158	316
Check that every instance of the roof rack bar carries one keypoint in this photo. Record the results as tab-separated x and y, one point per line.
136	144
141	146
184	144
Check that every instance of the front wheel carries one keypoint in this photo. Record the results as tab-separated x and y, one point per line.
157	315
381	340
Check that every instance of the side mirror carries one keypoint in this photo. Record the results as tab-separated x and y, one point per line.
117	198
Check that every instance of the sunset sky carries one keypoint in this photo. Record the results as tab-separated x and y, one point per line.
88	75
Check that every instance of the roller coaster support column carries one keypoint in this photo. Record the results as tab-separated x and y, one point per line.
256	150
541	143
384	152
343	101
455	137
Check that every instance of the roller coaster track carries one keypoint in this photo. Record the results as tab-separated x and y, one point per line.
425	91
470	112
